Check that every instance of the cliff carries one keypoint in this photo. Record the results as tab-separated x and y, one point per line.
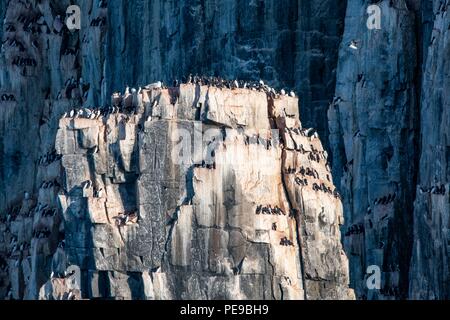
197	193
389	139
386	129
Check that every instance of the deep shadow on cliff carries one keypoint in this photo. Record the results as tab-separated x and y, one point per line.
386	131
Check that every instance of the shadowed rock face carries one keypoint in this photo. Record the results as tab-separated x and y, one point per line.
429	271
390	129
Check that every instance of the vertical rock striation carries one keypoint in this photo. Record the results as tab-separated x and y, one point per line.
429	273
388	132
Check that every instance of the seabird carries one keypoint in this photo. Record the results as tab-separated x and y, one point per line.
292	94
353	45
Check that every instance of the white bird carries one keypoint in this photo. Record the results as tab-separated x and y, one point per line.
27	196
261	82
353	45
79	113
292	94
283	93
72	113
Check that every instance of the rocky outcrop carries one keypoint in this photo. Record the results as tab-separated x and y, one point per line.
202	193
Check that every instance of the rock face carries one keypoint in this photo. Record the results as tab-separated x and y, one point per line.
372	128
429	272
391	109
387	134
202	193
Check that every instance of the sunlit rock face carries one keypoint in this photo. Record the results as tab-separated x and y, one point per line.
201	193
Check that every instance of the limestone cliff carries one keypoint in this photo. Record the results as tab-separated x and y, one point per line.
201	193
